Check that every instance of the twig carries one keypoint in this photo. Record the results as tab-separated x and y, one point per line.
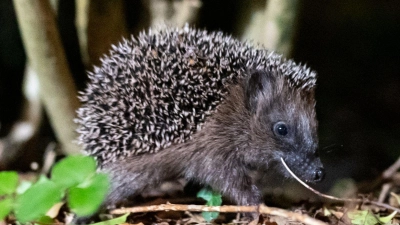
366	201
386	176
262	209
384	191
49	158
389	172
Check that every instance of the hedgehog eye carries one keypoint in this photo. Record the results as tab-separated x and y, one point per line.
280	129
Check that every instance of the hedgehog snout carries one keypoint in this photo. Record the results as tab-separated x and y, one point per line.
319	174
306	167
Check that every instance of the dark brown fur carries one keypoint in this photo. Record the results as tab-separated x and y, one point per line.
237	139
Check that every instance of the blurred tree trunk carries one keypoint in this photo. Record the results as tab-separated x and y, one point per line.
173	13
280	25
81	24
45	53
105	26
27	126
271	23
251	20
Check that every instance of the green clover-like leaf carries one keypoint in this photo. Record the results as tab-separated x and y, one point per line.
73	170
362	217
85	199
37	200
213	199
8	182
388	218
118	220
5	207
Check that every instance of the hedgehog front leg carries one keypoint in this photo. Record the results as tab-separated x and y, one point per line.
235	183
238	187
231	179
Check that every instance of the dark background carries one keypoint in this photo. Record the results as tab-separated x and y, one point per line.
353	45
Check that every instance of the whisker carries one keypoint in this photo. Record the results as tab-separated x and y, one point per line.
330	148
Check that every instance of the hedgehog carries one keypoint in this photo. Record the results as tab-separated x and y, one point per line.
203	106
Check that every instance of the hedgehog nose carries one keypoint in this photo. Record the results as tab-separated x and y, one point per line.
319	174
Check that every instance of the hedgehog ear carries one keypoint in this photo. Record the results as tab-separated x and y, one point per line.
256	83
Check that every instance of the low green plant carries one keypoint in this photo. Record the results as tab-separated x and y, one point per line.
367	217
212	199
74	180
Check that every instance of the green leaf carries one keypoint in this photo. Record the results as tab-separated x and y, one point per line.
208	216
362	217
42	179
327	212
213	199
205	193
5	207
85	199
216	200
387	219
118	220
8	182
23	186
37	200
44	220
73	170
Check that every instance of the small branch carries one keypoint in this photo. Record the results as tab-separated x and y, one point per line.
386	175
363	201
389	172
262	209
49	158
389	175
384	191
